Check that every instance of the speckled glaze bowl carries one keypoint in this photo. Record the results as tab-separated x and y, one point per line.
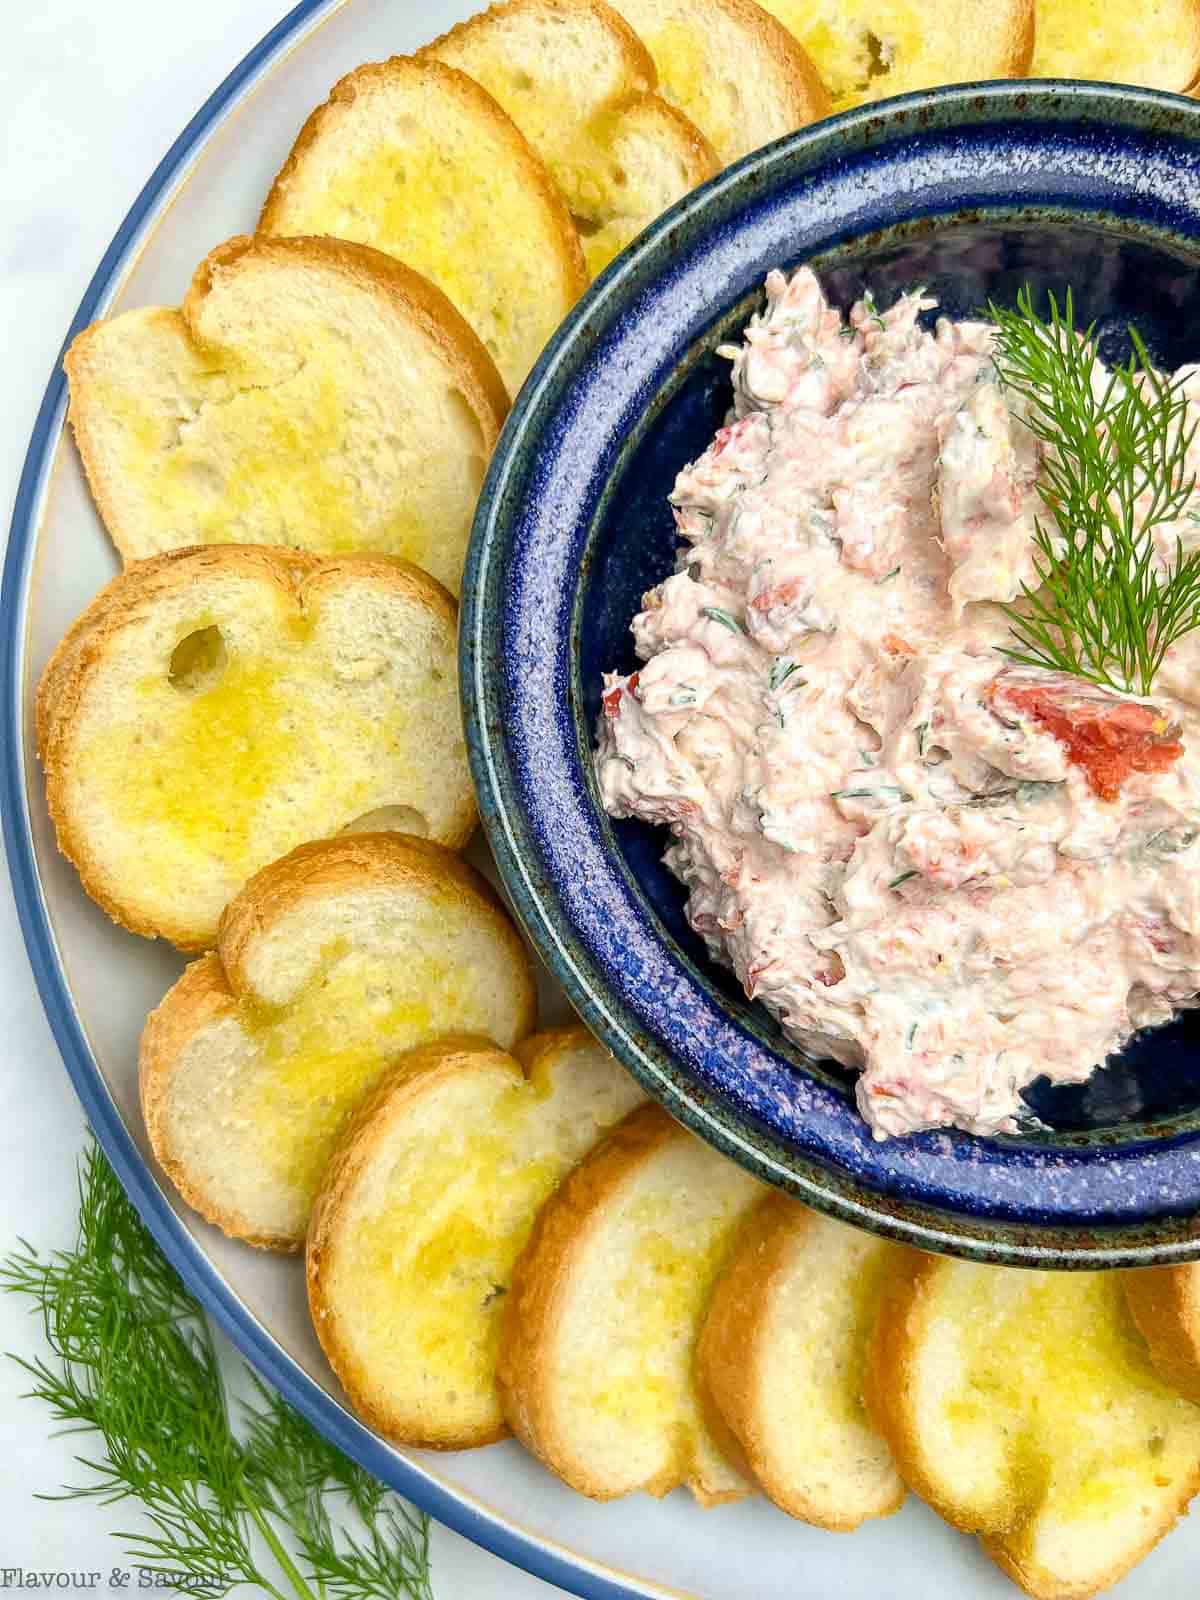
971	191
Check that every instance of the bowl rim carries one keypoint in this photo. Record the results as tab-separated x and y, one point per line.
494	571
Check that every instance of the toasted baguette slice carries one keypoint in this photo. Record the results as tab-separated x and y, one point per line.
866	49
579	84
659	155
1165	1302
781	1360
732	70
330	964
1155	43
308	393
214	708
424	1210
416	159
597	1352
1023	1406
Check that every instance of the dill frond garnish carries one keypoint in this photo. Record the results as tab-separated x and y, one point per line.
1114	467
135	1364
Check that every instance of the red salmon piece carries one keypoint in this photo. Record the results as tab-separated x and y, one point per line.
611	698
781	594
1107	736
731	435
897	647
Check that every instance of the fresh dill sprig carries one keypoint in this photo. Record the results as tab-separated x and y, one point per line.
299	1469
135	1364
1114	468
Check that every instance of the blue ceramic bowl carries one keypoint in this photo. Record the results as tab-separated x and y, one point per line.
973	191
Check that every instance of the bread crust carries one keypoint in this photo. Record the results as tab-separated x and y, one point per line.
542	1279
546	1064
415	1074
63	679
217	986
294	575
639	64
200	997
412	294
1043	1585
124	596
541	1282
732	1348
798	94
453	85
640	71
902	1327
323	868
1019	37
888	1386
1022	34
729	1351
808	96
626	102
79	364
1165	1304
538	1047
408	295
701	157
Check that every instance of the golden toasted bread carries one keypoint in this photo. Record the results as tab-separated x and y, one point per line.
1023	1406
1155	43
781	1361
413	157
733	71
1165	1302
658	156
309	393
330	964
579	84
424	1210
599	1339
866	49
213	708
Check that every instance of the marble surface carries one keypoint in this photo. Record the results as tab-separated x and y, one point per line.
90	98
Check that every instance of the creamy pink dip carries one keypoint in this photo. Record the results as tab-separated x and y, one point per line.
897	855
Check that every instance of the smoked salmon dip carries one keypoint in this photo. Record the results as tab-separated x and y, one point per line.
951	872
